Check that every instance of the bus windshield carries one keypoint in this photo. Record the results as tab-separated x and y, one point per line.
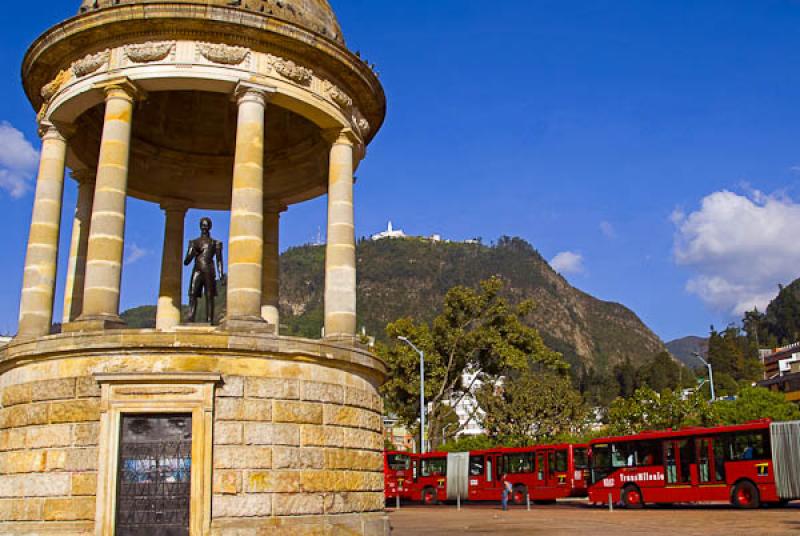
398	462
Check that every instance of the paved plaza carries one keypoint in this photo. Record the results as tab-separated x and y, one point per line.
577	519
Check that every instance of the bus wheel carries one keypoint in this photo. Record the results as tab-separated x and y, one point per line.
745	495
429	497
632	498
518	494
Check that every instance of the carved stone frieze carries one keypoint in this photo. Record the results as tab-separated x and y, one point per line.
150	51
223	54
337	95
50	89
292	71
90	63
361	124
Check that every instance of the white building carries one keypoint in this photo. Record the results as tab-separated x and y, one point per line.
390	232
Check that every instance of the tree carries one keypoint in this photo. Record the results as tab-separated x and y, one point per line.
531	408
755	403
649	410
468	443
479	335
734	353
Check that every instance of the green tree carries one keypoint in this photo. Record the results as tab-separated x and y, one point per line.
531	408
468	443
755	403
661	372
734	353
649	410
478	335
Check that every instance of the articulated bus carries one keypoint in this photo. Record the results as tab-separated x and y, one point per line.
746	465
546	473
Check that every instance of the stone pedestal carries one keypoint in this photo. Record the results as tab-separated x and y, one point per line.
292	439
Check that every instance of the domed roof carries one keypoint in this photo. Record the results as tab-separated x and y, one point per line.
314	15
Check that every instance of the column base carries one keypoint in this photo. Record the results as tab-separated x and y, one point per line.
94	323
247	324
348	340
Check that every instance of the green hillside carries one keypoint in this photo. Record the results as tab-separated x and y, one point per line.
410	277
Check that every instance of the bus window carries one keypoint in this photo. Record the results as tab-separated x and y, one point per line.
476	465
398	462
434	467
581	458
749	446
558	462
519	463
540	465
489	474
646	453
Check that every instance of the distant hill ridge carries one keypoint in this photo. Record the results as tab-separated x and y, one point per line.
410	276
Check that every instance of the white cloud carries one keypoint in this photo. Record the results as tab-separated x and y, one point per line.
607	228
18	161
135	253
568	262
740	247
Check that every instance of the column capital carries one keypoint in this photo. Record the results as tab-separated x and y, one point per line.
51	131
84	176
175	205
250	92
341	136
274	206
121	88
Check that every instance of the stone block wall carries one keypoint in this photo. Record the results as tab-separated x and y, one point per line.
48	450
288	446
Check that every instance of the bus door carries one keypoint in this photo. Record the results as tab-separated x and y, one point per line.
557	468
711	469
481	476
677	463
541	473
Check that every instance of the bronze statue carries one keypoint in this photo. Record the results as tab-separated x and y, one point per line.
204	251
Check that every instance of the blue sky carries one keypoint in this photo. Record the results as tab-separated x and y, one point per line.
649	148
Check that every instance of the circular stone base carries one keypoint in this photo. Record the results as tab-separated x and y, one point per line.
286	433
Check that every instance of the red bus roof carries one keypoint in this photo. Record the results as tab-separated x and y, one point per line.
685	432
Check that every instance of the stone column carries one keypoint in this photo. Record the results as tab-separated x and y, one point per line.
246	243
107	233
340	255
76	268
41	259
168	313
271	279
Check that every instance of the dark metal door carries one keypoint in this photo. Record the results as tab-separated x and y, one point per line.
154	479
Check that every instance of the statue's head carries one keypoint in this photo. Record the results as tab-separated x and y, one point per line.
205	225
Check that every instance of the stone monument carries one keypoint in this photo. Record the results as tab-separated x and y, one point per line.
247	106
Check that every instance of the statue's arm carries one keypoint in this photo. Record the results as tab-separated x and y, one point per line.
190	254
220	260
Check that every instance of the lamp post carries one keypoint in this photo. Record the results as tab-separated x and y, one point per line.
710	374
423	435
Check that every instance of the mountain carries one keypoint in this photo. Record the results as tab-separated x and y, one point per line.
409	277
683	349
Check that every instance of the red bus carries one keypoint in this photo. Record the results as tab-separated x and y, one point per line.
547	473
746	465
398	474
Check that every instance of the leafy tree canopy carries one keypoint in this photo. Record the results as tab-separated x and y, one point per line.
479	336
531	408
755	403
649	410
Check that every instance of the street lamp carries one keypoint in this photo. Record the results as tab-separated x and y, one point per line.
422	431
710	374
444	432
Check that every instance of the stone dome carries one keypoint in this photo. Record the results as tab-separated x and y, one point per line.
314	15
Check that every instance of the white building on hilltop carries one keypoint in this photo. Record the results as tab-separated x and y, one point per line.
390	232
